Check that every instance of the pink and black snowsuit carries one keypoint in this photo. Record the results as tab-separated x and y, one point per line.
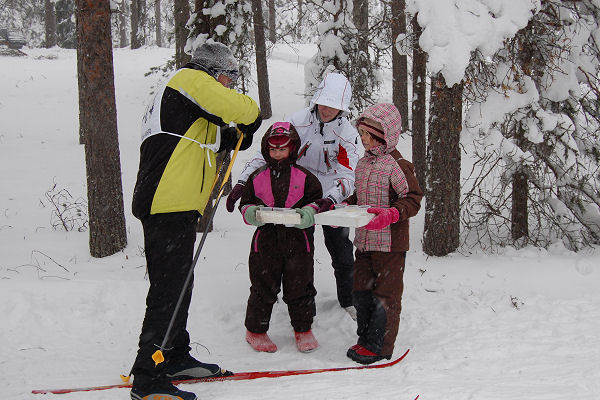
383	179
280	254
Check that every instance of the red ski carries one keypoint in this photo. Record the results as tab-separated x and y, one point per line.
238	376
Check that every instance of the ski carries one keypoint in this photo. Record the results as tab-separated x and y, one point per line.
238	376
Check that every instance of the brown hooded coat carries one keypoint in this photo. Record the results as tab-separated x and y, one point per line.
379	275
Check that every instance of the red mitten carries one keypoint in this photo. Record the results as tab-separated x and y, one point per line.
383	218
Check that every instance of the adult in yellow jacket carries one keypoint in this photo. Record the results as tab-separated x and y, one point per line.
185	124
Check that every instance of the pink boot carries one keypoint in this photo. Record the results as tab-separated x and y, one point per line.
306	341
261	342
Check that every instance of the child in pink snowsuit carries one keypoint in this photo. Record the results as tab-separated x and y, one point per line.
386	182
281	255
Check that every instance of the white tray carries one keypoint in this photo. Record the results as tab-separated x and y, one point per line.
275	215
349	216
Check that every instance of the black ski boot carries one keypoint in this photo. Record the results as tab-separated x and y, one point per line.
151	389
188	368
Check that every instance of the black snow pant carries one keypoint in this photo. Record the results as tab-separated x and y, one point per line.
378	287
169	246
340	249
281	256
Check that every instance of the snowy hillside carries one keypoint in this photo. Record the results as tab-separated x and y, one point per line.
519	325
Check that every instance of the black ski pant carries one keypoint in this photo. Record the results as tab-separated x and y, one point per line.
169	246
340	249
281	257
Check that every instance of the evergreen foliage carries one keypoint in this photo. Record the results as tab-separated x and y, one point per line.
65	24
532	132
228	22
551	138
339	50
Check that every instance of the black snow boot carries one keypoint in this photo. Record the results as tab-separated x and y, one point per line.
362	355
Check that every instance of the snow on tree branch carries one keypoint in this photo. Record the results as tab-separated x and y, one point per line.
453	29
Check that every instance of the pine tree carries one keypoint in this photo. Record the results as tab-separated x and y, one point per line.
97	92
339	50
441	234
122	16
228	25
419	104
541	185
50	23
65	24
138	20
181	13
262	73
399	62
272	19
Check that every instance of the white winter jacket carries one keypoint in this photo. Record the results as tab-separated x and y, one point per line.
329	150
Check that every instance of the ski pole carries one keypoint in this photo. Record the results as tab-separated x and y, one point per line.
158	356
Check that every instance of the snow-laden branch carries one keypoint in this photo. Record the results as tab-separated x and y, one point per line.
453	29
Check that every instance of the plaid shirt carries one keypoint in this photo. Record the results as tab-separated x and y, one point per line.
376	172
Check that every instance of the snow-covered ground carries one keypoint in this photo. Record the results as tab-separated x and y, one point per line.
516	325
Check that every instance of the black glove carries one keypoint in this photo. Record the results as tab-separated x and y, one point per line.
248	131
234	196
229	138
324	204
253	127
246	141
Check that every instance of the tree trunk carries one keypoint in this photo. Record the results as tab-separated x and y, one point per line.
360	18
158	25
82	90
135	21
520	190
138	22
300	15
272	27
50	22
123	42
399	62
181	13
206	24
262	73
442	191
143	21
103	166
202	22
419	105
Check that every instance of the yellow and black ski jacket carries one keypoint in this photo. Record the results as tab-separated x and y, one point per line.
179	141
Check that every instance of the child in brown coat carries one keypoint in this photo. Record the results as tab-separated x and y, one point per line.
386	182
